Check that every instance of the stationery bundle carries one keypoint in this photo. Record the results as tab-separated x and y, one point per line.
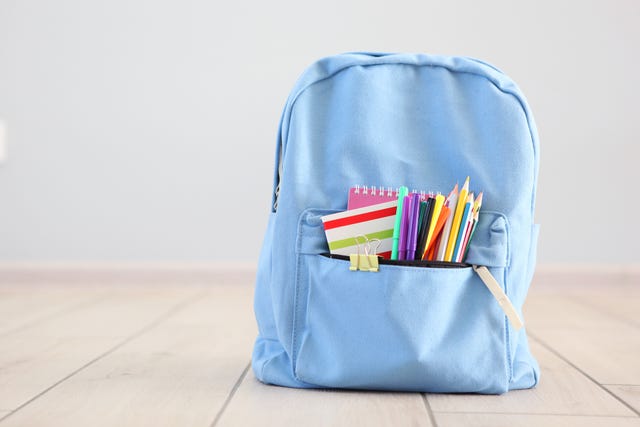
416	226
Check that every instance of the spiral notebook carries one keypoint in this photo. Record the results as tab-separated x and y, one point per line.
361	196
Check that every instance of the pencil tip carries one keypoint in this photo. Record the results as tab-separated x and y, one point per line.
466	184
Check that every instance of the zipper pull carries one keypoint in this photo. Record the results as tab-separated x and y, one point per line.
503	300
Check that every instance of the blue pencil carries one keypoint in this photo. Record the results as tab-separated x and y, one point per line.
463	226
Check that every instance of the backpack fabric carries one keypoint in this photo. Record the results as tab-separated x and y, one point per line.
426	122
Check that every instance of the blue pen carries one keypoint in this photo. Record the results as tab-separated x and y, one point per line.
414	215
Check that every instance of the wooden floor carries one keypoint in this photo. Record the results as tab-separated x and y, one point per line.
95	350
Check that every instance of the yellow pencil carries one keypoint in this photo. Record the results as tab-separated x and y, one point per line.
436	214
457	217
478	204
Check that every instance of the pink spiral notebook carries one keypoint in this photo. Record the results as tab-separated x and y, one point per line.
362	196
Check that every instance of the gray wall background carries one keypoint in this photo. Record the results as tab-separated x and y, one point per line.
133	124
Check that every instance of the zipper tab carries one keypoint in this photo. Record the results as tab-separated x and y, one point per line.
503	300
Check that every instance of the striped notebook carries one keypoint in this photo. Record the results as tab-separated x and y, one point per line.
374	222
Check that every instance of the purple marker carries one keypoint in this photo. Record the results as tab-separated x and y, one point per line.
404	226
414	215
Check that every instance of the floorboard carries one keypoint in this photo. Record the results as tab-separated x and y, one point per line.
597	342
256	404
175	352
563	390
21	309
628	393
532	420
39	357
178	373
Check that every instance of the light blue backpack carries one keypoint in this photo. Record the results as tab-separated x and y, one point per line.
399	119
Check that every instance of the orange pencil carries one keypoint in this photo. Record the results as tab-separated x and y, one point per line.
432	252
437	231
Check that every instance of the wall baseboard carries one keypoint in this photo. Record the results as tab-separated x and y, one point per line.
127	273
586	274
235	272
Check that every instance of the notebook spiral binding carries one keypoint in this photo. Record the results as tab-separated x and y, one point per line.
366	190
364	195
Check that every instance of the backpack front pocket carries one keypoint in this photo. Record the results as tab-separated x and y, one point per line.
403	327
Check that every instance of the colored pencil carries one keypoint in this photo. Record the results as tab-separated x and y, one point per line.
437	233
477	206
464	220
451	204
457	217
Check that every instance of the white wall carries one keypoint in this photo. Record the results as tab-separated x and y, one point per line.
133	124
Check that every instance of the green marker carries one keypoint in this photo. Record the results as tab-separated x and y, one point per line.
404	191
